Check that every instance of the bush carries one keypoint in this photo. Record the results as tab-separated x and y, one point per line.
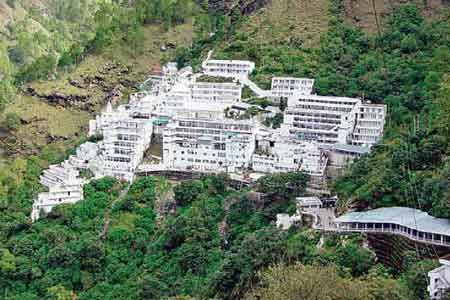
186	192
12	121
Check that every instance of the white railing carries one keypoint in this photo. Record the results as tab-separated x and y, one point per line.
412	237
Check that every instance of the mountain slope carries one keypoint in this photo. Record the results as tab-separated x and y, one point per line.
371	15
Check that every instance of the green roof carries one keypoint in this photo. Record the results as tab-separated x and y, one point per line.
161	121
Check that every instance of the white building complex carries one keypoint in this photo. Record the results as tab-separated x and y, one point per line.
209	144
331	120
187	111
123	147
64	187
288	86
228	68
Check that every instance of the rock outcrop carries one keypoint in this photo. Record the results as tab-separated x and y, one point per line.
65	100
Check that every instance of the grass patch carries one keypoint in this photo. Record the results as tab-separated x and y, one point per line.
57	121
302	20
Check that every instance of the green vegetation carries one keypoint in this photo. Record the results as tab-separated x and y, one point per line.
114	245
275	121
41	45
403	67
56	111
314	282
119	244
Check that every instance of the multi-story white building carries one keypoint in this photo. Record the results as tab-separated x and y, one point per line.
228	68
330	120
65	186
176	99
327	120
439	285
370	119
85	153
289	86
224	93
208	144
123	146
191	96
105	118
58	174
282	154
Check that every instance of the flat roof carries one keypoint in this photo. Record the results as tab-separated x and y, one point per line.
291	78
326	98
351	148
309	200
242	105
231	61
403	216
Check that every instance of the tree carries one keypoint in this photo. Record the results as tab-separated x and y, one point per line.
7	262
283	184
187	191
357	259
416	279
314	282
12	121
60	293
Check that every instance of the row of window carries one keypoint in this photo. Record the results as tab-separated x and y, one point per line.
325	108
215	86
200	124
328	101
314	126
314	114
326	121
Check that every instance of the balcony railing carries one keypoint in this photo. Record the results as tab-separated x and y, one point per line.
410	236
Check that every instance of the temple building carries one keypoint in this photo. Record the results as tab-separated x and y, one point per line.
202	124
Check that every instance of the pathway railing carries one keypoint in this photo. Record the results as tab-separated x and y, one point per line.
324	221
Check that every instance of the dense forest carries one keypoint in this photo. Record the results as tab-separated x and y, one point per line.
202	239
207	243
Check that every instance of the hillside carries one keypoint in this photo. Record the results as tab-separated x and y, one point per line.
371	15
202	238
55	112
404	67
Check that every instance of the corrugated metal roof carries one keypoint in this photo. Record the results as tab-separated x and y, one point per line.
403	216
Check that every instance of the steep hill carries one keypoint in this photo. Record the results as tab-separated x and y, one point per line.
371	15
54	109
216	240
